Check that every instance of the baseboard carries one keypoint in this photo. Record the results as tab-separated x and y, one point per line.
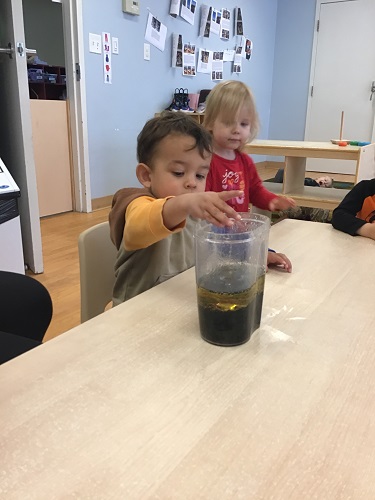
103	202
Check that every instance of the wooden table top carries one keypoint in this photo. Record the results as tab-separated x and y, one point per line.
305	149
133	404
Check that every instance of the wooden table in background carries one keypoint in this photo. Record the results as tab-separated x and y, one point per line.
296	153
133	404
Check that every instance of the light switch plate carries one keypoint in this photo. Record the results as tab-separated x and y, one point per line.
146	51
114	45
95	43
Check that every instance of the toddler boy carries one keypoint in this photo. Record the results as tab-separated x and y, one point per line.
153	226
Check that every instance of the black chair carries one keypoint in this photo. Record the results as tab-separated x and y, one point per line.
25	314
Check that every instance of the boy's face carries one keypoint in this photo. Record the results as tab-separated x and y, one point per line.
176	168
232	136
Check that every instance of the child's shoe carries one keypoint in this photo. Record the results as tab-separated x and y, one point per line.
185	102
201	108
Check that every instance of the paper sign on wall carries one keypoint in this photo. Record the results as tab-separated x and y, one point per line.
215	21
205	26
156	32
204	61
217	66
174	8
237	63
188	60
188	8
225	24
238	24
176	50
107	64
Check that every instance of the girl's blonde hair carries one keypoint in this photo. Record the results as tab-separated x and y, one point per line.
226	100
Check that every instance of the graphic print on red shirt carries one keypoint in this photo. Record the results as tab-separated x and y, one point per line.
234	181
240	173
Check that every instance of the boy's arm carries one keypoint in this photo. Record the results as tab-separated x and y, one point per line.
209	206
149	220
144	223
344	216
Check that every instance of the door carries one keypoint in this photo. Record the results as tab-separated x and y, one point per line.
49	107
342	74
16	148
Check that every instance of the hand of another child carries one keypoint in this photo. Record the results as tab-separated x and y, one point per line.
367	230
279	260
213	207
281	203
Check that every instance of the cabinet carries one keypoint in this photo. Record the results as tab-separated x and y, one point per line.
296	152
51	142
46	82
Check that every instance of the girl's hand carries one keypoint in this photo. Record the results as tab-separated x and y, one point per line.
281	203
279	260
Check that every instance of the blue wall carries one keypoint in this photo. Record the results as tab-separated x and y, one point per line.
278	73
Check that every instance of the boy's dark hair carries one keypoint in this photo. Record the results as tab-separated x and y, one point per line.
170	123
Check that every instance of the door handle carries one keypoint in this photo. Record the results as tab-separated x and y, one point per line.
21	50
372	90
7	50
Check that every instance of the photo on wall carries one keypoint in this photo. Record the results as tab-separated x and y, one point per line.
205	24
238	24
176	50
225	24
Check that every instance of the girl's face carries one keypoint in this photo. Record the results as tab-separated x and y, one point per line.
231	135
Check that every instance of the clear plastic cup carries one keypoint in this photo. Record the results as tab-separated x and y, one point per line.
230	272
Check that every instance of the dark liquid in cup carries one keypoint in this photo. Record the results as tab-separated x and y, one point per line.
229	318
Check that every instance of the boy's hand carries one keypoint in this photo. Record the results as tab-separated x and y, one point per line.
213	207
209	206
281	203
279	260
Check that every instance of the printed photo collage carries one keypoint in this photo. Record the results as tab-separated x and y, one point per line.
213	21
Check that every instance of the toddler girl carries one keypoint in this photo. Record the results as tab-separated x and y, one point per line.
232	119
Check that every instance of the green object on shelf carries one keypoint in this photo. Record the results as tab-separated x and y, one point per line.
359	143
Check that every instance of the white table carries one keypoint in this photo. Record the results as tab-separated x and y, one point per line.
296	154
133	404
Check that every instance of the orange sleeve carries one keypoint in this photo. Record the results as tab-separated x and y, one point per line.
144	223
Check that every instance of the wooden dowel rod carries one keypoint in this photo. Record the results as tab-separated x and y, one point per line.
342	124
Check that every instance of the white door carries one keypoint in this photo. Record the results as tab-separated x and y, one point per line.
342	74
16	148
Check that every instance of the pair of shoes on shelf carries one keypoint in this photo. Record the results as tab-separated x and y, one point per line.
180	101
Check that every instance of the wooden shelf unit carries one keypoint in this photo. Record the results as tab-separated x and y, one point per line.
296	152
42	89
199	117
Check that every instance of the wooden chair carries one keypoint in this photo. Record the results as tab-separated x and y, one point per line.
97	256
25	314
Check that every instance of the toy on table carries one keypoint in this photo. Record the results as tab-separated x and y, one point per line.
340	142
